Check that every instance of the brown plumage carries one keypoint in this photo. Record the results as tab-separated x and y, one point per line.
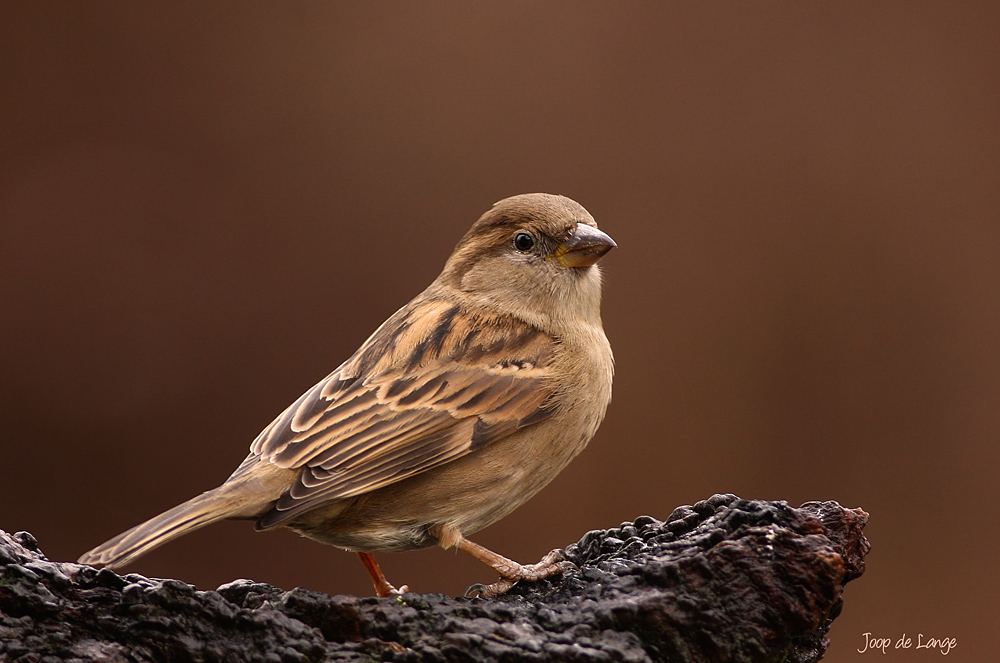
459	408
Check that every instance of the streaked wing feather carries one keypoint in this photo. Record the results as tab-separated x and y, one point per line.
433	383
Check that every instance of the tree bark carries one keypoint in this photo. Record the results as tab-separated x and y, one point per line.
723	580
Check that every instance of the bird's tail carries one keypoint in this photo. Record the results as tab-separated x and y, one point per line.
207	508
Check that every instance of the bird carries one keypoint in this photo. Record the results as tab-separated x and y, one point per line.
458	409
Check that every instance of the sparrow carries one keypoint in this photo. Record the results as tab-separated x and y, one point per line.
458	409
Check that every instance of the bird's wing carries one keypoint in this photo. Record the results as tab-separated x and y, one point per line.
432	384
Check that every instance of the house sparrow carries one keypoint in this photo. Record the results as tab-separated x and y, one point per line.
458	409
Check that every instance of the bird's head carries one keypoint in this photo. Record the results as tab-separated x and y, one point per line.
535	254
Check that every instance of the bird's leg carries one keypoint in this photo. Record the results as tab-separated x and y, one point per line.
510	571
382	586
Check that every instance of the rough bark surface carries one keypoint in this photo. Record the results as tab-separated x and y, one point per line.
723	580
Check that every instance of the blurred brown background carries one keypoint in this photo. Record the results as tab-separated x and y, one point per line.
207	207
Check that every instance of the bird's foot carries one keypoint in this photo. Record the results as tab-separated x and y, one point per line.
382	586
552	564
389	590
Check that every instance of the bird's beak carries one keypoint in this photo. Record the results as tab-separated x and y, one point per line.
584	247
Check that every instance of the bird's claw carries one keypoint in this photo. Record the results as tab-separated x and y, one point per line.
498	588
552	564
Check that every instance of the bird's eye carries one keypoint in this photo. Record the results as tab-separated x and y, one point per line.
523	242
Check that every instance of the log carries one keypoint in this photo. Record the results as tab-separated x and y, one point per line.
723	580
